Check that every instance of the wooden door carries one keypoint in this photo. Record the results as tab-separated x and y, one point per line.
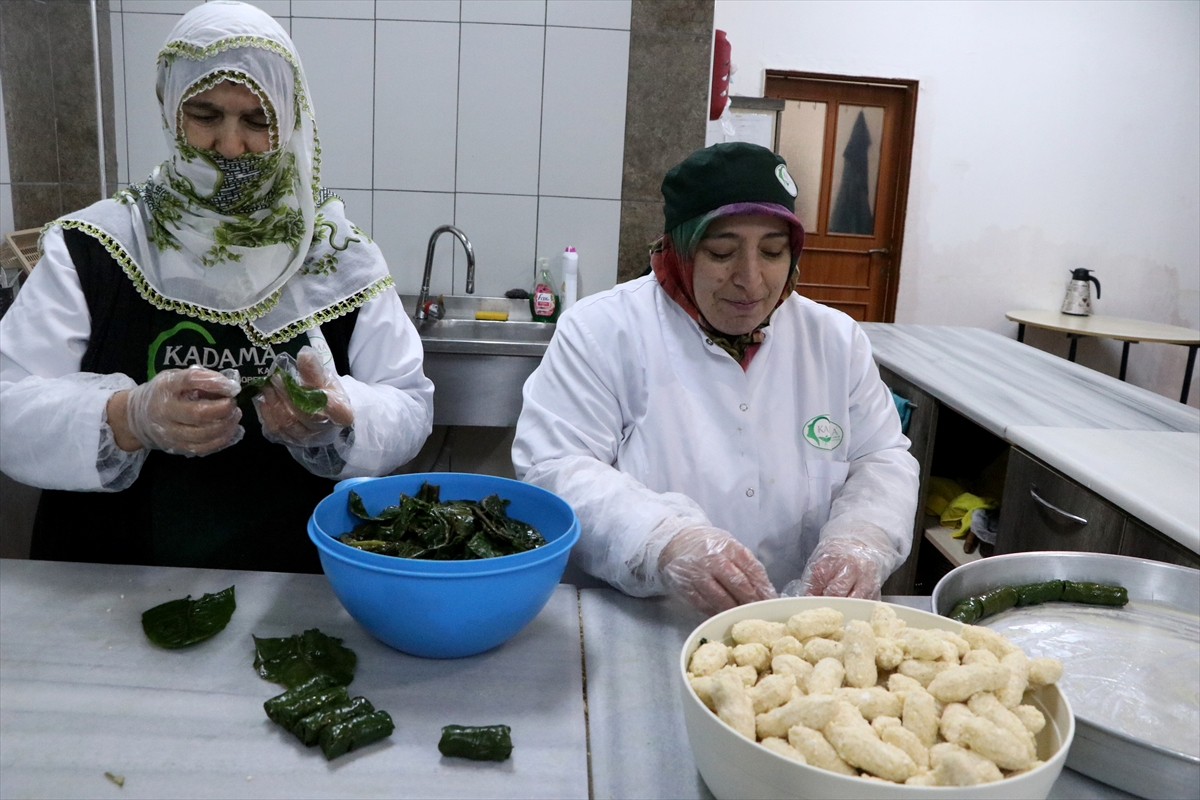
848	144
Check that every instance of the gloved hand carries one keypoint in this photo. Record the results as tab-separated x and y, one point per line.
186	412
854	564
712	571
283	423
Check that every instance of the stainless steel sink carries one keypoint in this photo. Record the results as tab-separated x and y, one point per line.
485	337
479	366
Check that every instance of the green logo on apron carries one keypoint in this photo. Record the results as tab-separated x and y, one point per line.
823	433
188	343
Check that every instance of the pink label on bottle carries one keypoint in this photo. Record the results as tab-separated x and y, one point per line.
543	301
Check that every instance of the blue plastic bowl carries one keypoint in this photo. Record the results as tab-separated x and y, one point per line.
444	609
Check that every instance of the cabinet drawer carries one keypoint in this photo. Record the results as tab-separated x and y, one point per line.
1044	510
1142	542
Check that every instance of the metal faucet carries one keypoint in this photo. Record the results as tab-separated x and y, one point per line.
423	297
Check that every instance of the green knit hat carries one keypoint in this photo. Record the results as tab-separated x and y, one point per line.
733	172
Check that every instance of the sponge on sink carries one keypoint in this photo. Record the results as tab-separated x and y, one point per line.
499	316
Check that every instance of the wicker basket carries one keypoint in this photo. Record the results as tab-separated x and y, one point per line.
19	250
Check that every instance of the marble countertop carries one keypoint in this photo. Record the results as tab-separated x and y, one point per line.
1134	448
1152	475
999	383
82	692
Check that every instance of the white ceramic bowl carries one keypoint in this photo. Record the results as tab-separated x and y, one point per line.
732	766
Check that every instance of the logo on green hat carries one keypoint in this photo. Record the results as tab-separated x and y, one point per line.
785	179
823	433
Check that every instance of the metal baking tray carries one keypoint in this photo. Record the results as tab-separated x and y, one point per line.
1164	609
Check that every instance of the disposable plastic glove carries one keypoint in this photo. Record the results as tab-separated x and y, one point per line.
854	564
186	412
712	571
283	423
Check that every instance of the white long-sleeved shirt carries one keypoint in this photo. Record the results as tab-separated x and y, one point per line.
52	417
646	427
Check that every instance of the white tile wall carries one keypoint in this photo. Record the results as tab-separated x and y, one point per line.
6	208
116	32
503	117
503	230
403	224
416	105
514	12
583	119
592	227
159	6
339	61
280	9
589	13
337	9
418	10
144	37
499	108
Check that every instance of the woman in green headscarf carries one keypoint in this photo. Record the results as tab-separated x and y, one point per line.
122	360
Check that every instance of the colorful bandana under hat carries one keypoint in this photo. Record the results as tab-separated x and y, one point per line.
673	260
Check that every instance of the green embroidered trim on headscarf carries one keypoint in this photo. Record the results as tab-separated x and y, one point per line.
253	240
300	102
235	76
130	268
241	319
324	315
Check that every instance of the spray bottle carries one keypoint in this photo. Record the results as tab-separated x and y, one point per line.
570	271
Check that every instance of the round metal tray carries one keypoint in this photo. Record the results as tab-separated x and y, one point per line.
1159	594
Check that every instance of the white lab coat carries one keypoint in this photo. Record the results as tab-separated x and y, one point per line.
51	416
646	428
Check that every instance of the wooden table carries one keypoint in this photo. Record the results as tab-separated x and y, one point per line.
1128	331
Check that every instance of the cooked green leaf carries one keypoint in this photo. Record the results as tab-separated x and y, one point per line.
310	401
422	526
179	623
296	659
249	389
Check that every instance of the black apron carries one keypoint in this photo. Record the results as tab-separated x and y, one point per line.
245	507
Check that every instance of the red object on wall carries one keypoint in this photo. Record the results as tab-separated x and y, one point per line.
720	76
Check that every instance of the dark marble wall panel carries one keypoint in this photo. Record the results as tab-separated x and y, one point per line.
35	204
50	106
670	68
28	67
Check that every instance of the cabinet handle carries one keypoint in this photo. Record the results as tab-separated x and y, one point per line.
1033	493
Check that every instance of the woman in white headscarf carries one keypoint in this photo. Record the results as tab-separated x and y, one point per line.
124	358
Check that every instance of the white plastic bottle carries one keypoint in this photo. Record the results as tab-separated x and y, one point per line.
570	271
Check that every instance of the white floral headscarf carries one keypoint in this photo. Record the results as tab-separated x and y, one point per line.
252	241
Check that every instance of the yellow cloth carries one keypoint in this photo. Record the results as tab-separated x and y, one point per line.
953	505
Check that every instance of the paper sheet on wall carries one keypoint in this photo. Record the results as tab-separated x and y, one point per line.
756	127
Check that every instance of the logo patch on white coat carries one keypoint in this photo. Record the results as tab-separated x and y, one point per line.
823	433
